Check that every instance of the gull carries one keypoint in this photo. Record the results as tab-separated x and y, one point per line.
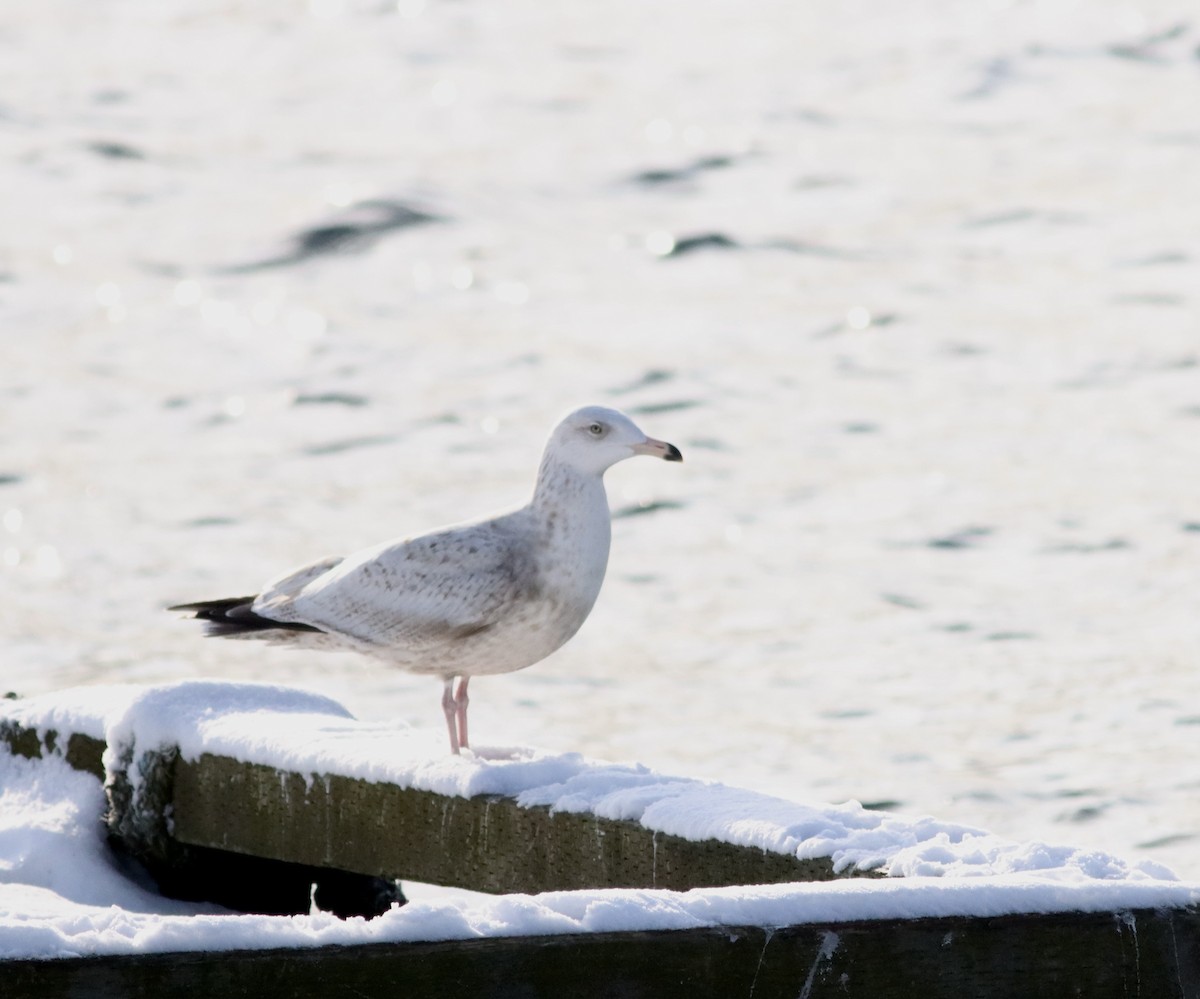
488	596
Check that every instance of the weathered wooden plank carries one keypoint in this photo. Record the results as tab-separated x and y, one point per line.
316	827
1148	954
81	751
483	843
195	873
329	821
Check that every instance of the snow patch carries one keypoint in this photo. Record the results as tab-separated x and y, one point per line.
63	893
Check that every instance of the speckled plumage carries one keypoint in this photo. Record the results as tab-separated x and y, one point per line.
488	596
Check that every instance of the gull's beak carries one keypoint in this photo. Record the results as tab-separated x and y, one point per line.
658	449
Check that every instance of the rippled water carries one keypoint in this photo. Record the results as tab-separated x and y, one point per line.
913	289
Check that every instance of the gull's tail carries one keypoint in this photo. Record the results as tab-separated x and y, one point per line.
234	616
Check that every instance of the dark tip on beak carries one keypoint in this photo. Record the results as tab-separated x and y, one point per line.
658	449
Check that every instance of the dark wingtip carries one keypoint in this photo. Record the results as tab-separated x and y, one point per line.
207	610
235	616
673	453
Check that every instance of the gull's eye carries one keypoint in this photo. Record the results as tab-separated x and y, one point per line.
596	429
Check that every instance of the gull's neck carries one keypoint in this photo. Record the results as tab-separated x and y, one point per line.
571	505
570	511
562	487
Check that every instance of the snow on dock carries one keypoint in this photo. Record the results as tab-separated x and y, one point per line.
62	894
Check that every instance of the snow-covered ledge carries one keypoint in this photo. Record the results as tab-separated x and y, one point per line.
60	893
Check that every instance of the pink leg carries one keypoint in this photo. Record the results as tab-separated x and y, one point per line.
460	708
451	708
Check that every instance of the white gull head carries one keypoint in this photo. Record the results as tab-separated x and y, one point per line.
594	438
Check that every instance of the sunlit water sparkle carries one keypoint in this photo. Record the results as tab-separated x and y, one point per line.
914	291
